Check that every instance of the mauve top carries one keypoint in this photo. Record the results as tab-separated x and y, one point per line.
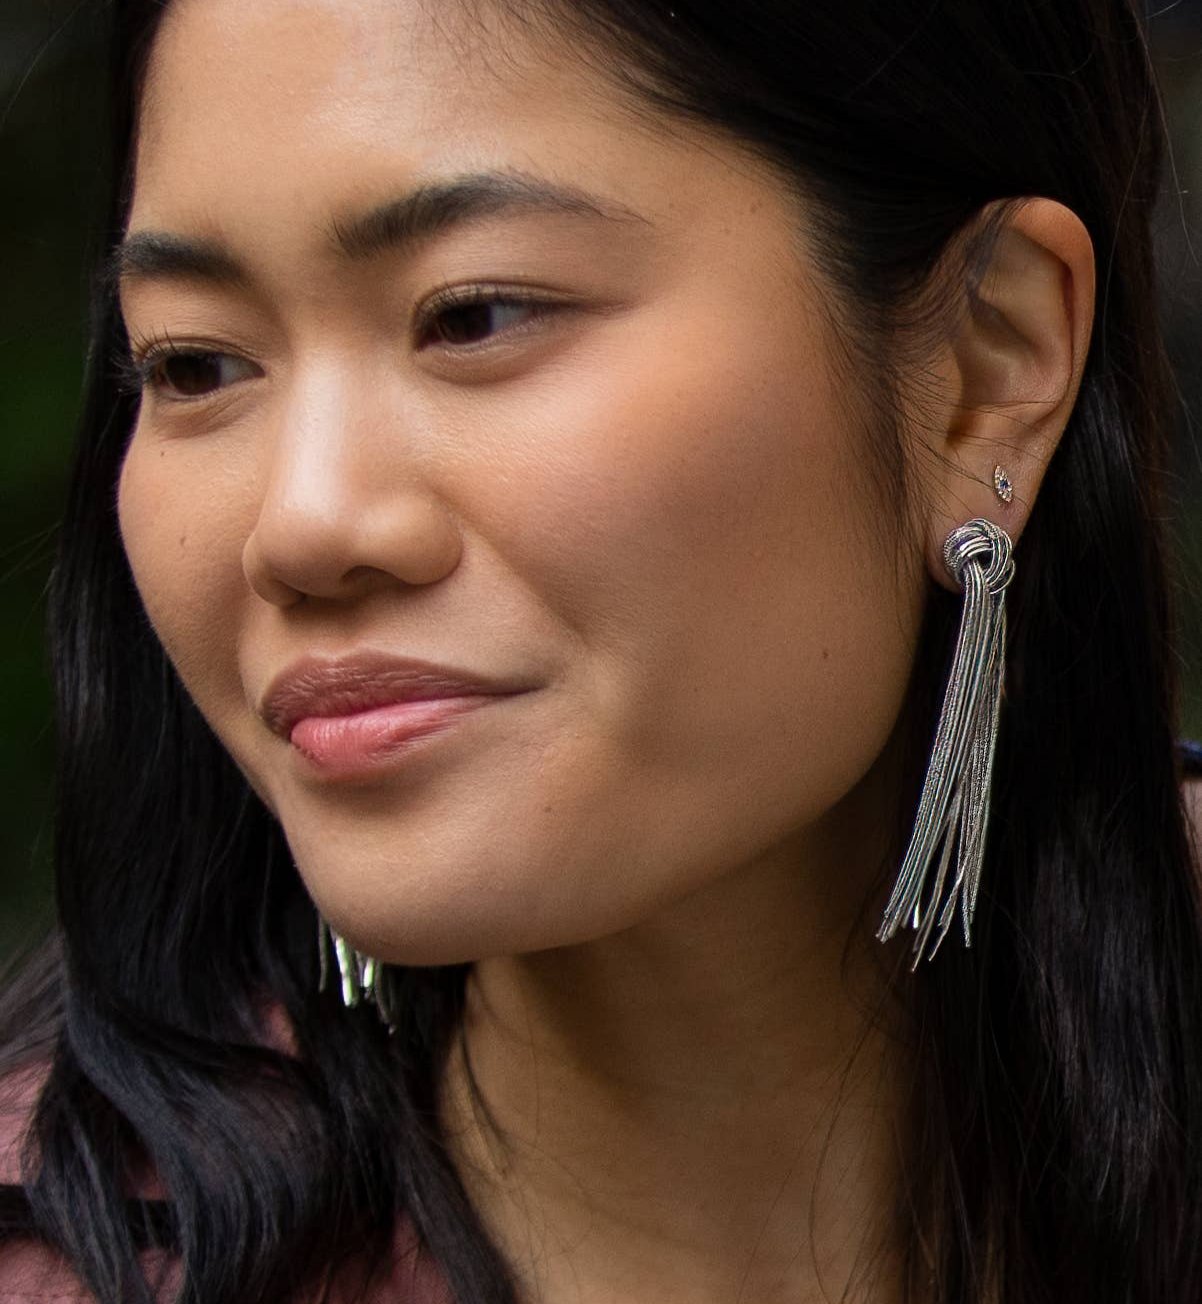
32	1272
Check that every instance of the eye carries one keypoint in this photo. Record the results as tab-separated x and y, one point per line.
458	320
181	373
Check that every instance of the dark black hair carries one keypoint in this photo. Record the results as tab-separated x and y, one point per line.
1055	1152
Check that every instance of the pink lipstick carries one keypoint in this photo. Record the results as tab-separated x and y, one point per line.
349	716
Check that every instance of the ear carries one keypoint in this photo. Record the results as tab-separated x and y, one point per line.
1012	370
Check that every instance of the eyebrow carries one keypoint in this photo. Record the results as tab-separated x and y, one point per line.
395	226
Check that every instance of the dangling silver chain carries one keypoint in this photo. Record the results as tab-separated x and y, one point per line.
362	978
954	807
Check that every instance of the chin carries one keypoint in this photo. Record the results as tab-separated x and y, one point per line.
455	911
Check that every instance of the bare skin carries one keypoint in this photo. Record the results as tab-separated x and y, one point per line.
657	1125
645	499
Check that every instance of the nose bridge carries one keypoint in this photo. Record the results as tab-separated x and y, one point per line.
343	503
312	483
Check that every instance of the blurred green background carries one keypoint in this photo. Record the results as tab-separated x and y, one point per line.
50	151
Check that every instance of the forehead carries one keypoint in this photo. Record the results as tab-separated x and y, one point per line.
302	85
311	107
335	64
348	75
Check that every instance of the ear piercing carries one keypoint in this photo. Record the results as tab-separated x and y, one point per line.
1002	484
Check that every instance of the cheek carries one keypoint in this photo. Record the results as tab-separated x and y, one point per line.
179	529
699	513
668	464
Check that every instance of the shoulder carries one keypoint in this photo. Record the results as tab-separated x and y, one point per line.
31	1271
28	1271
409	1276
19	1090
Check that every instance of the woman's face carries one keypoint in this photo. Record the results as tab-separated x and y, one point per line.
453	359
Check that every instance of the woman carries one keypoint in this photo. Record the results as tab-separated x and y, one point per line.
501	626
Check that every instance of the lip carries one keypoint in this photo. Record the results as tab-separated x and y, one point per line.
349	747
361	684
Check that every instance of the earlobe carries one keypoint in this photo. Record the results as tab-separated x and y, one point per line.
1014	366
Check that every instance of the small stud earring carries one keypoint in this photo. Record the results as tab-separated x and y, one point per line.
1002	484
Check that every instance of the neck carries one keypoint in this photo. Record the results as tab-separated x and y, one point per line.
703	1107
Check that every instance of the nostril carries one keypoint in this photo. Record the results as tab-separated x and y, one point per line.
404	539
263	578
416	539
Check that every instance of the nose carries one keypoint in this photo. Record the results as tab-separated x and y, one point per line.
343	513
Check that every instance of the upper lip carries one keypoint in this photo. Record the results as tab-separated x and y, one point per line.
319	686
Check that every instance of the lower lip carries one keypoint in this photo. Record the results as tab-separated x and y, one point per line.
345	746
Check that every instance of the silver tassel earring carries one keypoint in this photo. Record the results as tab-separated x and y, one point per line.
954	807
361	977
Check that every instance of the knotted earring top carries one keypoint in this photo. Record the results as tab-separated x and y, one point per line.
976	538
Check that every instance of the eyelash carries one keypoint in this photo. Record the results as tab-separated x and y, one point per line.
132	365
136	368
449	298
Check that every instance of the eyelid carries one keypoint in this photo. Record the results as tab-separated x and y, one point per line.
449	297
135	366
144	349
